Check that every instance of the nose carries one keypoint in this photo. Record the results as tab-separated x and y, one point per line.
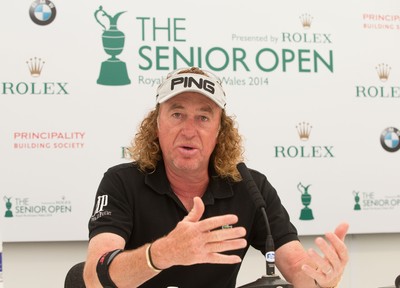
189	127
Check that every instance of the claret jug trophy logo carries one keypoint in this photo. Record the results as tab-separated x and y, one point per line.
306	213
8	213
357	205
113	71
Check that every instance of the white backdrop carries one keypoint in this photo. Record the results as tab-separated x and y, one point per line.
286	67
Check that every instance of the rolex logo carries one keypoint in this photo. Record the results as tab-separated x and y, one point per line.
306	20
383	71
35	66
304	130
304	151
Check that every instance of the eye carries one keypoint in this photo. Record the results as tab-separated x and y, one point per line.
204	118
177	115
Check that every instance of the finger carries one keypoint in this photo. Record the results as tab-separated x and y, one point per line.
218	258
325	266
226	234
341	230
228	245
332	258
197	210
338	247
321	277
325	248
336	252
217	222
330	267
311	271
316	258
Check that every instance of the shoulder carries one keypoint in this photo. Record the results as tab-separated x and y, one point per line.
259	177
122	168
123	172
256	174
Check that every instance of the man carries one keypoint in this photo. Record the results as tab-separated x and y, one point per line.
179	214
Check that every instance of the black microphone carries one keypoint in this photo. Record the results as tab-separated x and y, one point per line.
397	282
271	280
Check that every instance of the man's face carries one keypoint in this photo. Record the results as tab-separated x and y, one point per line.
188	126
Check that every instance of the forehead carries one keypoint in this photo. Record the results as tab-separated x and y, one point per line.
191	99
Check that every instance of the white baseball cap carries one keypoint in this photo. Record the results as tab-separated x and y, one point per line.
183	80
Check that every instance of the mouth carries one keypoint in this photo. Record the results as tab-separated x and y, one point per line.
187	148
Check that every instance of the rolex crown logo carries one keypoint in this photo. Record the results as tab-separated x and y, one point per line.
304	130
35	66
383	71
306	20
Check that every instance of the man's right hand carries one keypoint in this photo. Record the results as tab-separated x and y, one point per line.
194	241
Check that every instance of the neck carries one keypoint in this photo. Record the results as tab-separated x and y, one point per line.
186	187
189	190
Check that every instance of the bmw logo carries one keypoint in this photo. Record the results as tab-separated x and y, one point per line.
42	12
390	139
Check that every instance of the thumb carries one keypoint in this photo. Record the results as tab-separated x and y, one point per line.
341	230
197	210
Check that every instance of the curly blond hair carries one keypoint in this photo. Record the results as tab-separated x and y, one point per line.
228	152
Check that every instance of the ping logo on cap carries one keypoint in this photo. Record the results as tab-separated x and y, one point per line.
189	81
192	82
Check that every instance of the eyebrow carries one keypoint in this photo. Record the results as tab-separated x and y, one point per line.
205	108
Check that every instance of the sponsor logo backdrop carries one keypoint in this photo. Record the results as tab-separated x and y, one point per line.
314	88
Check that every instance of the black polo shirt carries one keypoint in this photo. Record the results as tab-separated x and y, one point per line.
142	207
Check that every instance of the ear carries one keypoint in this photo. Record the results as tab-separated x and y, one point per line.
219	129
158	125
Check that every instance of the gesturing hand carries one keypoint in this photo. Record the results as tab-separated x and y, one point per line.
194	241
332	264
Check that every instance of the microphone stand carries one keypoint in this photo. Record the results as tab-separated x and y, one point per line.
270	280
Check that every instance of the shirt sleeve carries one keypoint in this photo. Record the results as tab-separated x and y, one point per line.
112	211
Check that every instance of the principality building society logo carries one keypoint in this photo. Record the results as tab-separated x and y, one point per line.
42	12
